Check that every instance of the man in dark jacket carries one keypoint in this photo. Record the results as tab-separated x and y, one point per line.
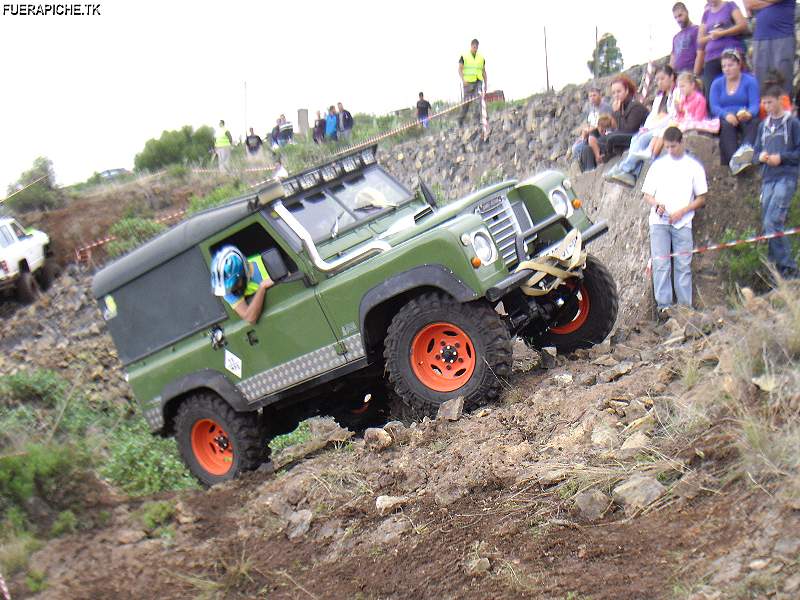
777	149
345	122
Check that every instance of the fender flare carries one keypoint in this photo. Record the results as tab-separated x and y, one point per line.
204	379
433	275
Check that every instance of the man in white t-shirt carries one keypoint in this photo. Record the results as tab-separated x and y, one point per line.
675	187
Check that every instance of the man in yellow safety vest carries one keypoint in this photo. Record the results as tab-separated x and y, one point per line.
472	70
222	146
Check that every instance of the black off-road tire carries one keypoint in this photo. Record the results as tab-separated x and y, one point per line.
411	398
247	436
601	289
48	273
27	287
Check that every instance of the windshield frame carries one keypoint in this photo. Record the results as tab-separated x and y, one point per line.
327	189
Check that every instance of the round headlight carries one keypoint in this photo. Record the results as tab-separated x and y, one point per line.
567	184
484	249
560	201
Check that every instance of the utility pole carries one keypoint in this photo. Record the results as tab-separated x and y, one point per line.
245	109
596	51
546	68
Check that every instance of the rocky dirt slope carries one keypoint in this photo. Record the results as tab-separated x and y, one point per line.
620	472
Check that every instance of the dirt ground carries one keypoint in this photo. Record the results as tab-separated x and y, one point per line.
486	507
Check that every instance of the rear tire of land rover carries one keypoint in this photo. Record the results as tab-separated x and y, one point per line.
27	287
49	273
437	349
588	317
216	442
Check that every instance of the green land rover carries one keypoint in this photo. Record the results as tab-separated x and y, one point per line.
383	297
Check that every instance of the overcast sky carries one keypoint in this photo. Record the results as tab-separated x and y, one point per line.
88	91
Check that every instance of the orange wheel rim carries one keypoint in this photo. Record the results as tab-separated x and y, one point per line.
442	357
580	316
212	447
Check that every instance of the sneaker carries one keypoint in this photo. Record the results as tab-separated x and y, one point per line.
609	175
738	166
744	154
623	178
642	154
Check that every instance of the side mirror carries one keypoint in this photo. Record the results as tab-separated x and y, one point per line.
276	267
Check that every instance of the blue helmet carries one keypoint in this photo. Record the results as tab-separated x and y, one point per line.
228	270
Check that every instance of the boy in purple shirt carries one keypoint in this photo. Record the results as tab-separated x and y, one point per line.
685	54
773	39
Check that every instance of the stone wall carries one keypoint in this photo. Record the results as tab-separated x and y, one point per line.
538	135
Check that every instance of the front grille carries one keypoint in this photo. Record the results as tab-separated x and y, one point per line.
502	223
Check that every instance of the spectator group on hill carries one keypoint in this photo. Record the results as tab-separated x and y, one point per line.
711	85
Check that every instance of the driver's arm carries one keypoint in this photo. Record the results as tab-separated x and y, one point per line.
252	311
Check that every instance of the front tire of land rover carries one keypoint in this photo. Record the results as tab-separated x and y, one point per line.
216	442
437	349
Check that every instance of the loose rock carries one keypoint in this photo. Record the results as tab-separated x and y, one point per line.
638	492
478	567
388	504
377	439
451	410
615	373
299	523
591	504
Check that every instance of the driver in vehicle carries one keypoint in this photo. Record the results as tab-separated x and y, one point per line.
242	282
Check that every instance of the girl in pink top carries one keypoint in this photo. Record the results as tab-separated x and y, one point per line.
691	107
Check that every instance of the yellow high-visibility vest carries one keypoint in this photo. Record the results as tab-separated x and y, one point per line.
473	67
222	140
258	263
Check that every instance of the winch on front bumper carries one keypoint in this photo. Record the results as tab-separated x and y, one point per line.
548	269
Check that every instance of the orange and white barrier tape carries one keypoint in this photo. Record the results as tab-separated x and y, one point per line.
84	253
723	245
4	589
377	138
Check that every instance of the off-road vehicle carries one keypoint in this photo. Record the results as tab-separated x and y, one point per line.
376	286
26	262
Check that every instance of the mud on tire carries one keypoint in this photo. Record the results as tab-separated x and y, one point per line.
588	318
48	274
27	287
216	442
433	332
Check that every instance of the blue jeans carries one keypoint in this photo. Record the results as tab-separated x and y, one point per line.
664	240
776	197
640	142
578	147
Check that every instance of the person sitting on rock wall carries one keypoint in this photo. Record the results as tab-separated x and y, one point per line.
735	100
629	115
646	144
596	105
594	138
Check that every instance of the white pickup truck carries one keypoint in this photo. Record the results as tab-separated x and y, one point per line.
26	264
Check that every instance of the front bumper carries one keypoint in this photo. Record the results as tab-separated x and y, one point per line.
516	279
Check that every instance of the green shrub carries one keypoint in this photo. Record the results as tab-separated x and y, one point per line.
40	469
178	172
215	198
41	386
66	522
130	233
35	581
155	514
41	195
300	435
183	146
140	463
15	552
743	265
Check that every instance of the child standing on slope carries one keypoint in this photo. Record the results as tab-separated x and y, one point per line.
777	150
